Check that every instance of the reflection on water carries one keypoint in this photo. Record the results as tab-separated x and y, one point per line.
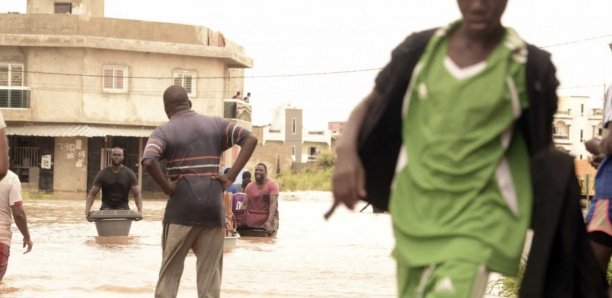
348	256
114	241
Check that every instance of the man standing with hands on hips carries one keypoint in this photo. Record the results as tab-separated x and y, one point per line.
192	145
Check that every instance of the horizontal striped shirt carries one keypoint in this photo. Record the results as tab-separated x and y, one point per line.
192	144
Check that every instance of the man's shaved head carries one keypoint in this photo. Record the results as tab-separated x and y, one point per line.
175	99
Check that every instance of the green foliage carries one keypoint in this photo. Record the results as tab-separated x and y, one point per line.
510	285
326	159
306	179
312	177
34	195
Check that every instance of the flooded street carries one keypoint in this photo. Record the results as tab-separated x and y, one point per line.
348	256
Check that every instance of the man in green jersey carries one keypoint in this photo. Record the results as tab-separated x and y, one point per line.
461	197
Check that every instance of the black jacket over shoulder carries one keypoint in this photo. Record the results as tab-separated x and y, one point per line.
561	262
560	246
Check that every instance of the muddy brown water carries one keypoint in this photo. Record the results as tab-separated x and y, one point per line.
347	256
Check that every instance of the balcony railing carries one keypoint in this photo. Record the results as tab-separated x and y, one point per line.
236	109
14	97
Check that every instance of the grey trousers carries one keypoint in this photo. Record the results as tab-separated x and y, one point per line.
207	245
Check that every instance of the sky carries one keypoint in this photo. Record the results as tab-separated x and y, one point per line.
323	55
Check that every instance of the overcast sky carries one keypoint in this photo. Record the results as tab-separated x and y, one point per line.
334	42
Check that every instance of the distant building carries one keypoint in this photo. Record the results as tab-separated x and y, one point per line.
578	119
285	142
74	84
336	127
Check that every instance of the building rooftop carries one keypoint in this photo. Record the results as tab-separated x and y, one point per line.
57	30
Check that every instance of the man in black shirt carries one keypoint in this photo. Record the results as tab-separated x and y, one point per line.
116	182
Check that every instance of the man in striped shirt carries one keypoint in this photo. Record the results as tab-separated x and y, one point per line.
192	145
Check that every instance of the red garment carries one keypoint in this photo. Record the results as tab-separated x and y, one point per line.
259	197
5	252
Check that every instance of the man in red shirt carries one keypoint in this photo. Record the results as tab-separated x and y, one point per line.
262	197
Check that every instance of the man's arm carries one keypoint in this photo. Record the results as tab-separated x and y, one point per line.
273	207
90	199
154	170
246	150
3	153
348	182
592	146
605	144
137	198
245	202
21	221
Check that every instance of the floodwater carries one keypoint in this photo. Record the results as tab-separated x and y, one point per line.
347	256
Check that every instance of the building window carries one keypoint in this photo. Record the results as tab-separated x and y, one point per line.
293	125
292	150
186	79
13	92
63	7
599	130
312	153
114	79
561	130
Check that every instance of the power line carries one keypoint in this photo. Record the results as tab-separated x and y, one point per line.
312	74
211	77
576	41
322	73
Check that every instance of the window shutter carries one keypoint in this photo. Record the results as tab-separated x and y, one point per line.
4	75
185	79
177	79
108	78
4	95
17	75
16	98
188	83
118	78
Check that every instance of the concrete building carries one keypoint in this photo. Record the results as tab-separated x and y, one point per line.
336	127
578	119
74	84
285	143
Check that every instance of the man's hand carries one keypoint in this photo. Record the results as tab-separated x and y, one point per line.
171	186
595	160
592	146
87	214
348	182
224	180
27	242
268	227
